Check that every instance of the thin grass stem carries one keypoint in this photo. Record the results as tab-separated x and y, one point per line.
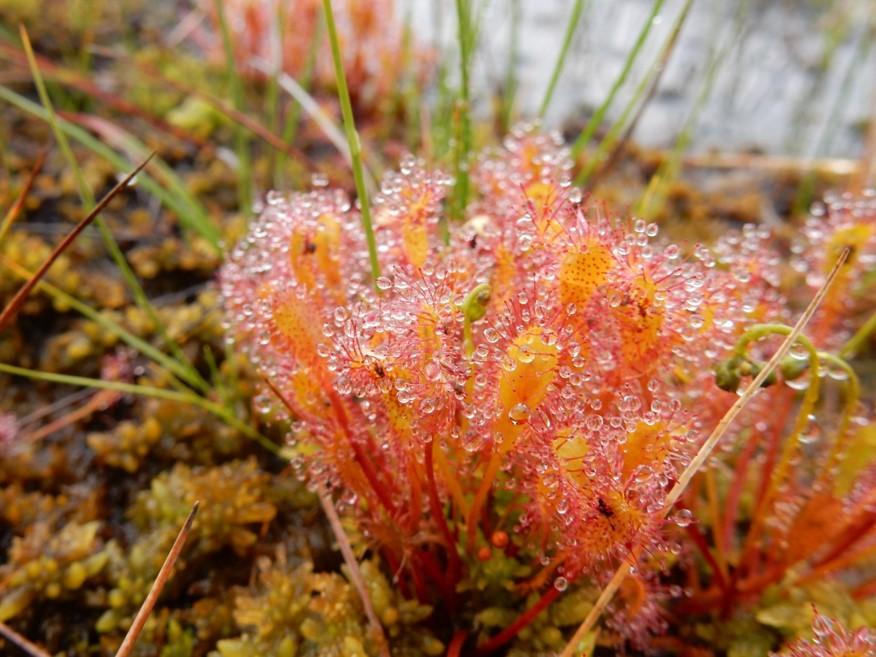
192	217
241	140
293	115
88	200
186	397
104	321
57	125
158	585
623	128
571	27
15	209
353	566
462	111
352	140
654	196
511	84
22	642
596	120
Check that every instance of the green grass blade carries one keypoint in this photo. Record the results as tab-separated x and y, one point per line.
145	391
509	95
806	189
241	139
88	200
644	89
462	111
198	221
652	200
85	194
293	117
571	26
147	349
272	92
352	139
596	120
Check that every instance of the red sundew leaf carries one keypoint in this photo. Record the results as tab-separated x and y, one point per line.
705	451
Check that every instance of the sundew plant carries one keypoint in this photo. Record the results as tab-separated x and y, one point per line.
470	381
503	410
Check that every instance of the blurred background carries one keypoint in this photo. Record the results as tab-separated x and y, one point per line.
791	77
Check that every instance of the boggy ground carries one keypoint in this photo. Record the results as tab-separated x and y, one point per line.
94	484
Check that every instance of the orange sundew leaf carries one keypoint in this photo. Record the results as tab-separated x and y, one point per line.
634	593
646	445
294	318
706	450
414	229
532	367
415	237
639	319
503	277
412	214
305	392
13	306
616	523
571	449
314	256
582	272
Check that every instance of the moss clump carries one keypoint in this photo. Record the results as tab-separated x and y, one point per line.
233	498
45	563
295	612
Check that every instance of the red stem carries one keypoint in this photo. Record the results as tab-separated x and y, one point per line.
700	541
865	590
734	494
453	566
456	643
361	458
419	584
852	533
433	569
522	621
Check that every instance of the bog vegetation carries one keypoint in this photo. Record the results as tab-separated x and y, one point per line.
455	387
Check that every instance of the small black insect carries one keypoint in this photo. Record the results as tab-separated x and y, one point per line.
309	247
473	242
604	509
379	371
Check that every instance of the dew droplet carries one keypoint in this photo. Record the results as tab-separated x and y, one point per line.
519	413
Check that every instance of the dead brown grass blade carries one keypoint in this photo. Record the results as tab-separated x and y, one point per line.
27	646
160	580
705	451
15	210
19	298
355	573
101	400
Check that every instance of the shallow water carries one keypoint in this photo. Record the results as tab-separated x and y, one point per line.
769	93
